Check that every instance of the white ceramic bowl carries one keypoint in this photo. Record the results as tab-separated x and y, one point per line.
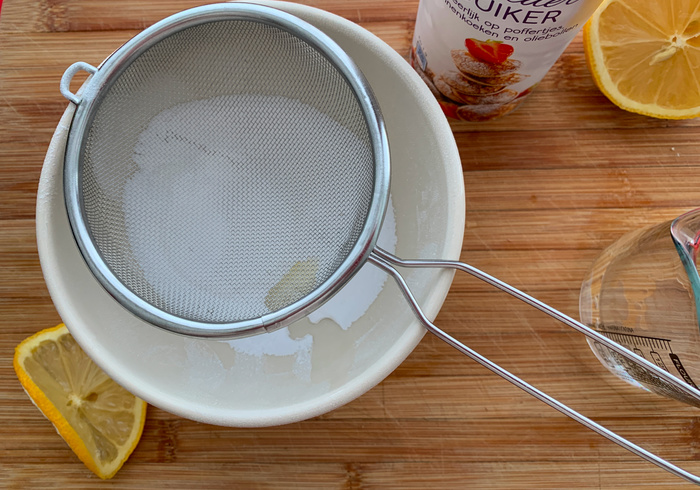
308	368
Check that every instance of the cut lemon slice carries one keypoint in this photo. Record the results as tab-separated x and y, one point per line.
645	55
101	421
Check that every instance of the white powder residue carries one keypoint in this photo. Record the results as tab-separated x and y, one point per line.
217	211
355	298
277	343
165	230
205	367
347	306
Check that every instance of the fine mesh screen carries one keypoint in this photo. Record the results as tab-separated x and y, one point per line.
227	172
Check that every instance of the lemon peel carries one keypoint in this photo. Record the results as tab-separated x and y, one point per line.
644	55
100	421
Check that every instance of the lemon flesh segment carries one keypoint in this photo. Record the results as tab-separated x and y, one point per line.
100	420
645	55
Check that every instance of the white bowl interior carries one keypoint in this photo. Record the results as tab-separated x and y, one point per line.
318	363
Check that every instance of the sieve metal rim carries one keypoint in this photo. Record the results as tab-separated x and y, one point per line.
100	82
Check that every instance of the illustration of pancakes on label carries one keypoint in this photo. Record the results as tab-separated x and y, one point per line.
470	86
484	112
469	64
427	77
479	88
497	81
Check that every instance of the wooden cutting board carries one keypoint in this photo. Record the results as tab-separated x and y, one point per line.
547	188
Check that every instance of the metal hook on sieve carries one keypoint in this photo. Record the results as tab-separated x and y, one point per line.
68	76
387	263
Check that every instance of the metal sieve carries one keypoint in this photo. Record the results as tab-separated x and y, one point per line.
227	172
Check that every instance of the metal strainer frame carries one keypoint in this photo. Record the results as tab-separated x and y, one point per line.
365	249
101	81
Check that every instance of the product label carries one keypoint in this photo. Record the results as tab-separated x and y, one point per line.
481	58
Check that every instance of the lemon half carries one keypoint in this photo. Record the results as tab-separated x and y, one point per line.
101	421
644	55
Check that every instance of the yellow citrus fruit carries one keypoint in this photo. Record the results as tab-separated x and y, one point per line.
645	55
101	421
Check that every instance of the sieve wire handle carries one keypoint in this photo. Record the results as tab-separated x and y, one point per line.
387	261
68	77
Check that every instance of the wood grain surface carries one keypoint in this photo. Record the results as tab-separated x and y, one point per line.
547	187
